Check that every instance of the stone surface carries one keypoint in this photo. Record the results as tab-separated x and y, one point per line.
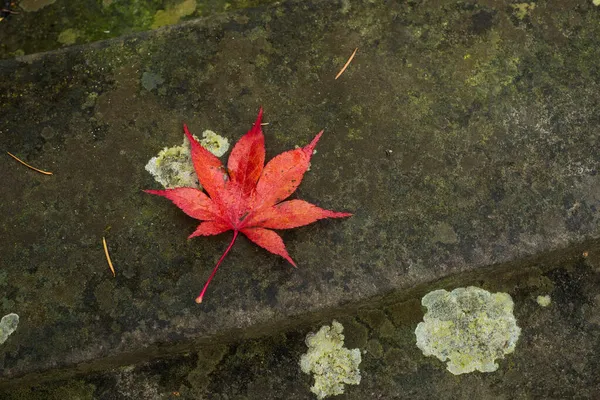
554	358
491	121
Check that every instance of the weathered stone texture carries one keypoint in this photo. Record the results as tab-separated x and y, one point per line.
461	136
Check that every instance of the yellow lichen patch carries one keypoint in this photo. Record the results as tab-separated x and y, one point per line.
173	166
469	327
173	14
522	9
214	143
544	301
331	364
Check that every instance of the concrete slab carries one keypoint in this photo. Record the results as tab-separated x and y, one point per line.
461	136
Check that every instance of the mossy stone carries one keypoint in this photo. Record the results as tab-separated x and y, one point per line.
374	348
374	318
355	333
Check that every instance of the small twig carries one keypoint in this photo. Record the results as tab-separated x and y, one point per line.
347	63
108	257
29	166
264	123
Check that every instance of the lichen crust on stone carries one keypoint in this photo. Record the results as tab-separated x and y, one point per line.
470	327
331	364
544	301
216	144
173	166
8	325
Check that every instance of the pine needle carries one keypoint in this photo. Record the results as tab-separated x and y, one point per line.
27	165
347	63
108	257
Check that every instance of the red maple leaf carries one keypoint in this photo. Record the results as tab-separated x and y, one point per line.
248	195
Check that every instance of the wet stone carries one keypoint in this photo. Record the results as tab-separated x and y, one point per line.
463	139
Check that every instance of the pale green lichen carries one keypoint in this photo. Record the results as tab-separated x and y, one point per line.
173	166
214	143
544	301
331	364
469	327
8	325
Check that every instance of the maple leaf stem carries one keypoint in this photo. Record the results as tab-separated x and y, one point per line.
199	298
